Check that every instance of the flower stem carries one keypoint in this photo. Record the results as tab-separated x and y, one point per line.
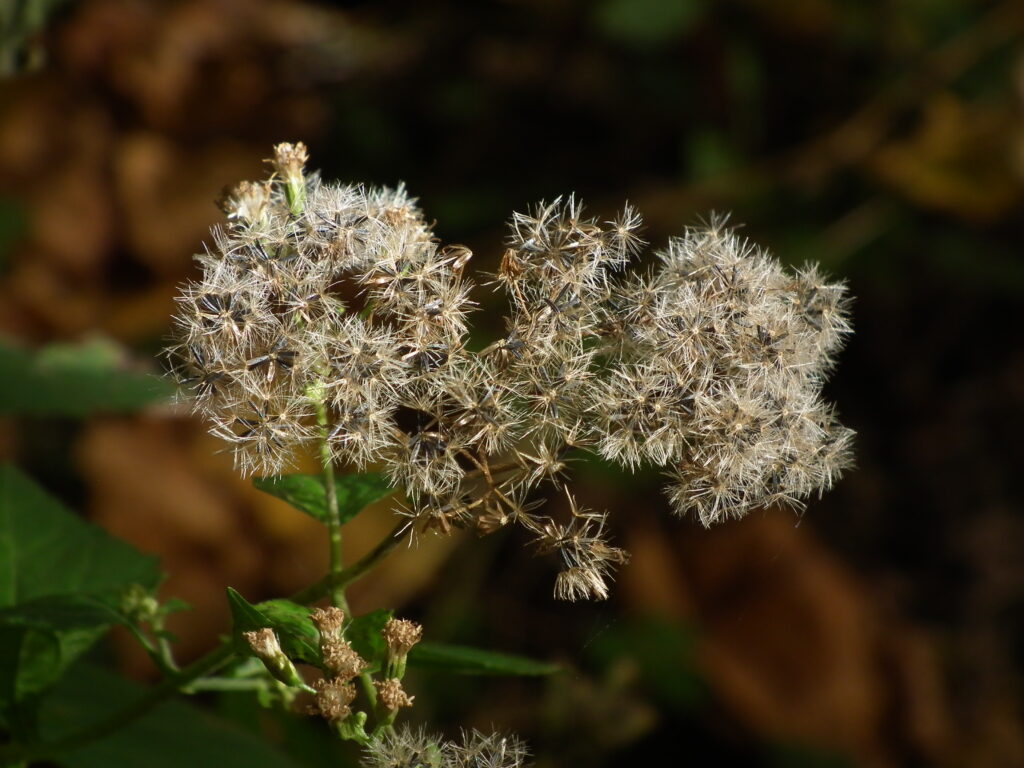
337	590
355	571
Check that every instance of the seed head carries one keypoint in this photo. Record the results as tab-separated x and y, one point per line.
337	299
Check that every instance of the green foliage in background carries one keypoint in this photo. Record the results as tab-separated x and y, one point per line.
174	734
60	589
20	22
67	582
73	380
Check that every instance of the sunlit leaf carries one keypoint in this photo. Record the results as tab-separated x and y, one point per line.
307	494
295	630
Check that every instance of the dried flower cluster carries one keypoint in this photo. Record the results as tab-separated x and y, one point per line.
329	312
342	664
417	749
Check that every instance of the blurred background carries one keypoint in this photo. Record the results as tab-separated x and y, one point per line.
881	138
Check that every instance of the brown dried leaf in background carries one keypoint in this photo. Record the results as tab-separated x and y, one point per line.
792	644
959	161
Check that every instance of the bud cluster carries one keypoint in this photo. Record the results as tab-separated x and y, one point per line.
335	692
342	664
328	312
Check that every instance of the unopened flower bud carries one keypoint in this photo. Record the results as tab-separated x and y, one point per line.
288	161
267	649
140	604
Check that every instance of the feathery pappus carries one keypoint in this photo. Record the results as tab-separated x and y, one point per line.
329	313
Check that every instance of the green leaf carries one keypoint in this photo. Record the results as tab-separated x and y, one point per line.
295	630
60	612
458	659
307	492
73	380
364	634
174	734
30	661
47	550
60	581
40	638
353	728
664	652
174	605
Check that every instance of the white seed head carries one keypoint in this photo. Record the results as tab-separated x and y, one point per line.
337	298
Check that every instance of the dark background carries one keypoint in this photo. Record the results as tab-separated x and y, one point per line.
883	139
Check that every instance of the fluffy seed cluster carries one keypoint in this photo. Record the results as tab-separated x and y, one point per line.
417	749
329	312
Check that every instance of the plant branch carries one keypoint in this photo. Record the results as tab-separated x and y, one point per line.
337	591
355	571
12	754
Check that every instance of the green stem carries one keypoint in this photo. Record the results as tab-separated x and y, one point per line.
355	571
165	654
13	753
366	682
384	718
227	684
337	591
295	192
